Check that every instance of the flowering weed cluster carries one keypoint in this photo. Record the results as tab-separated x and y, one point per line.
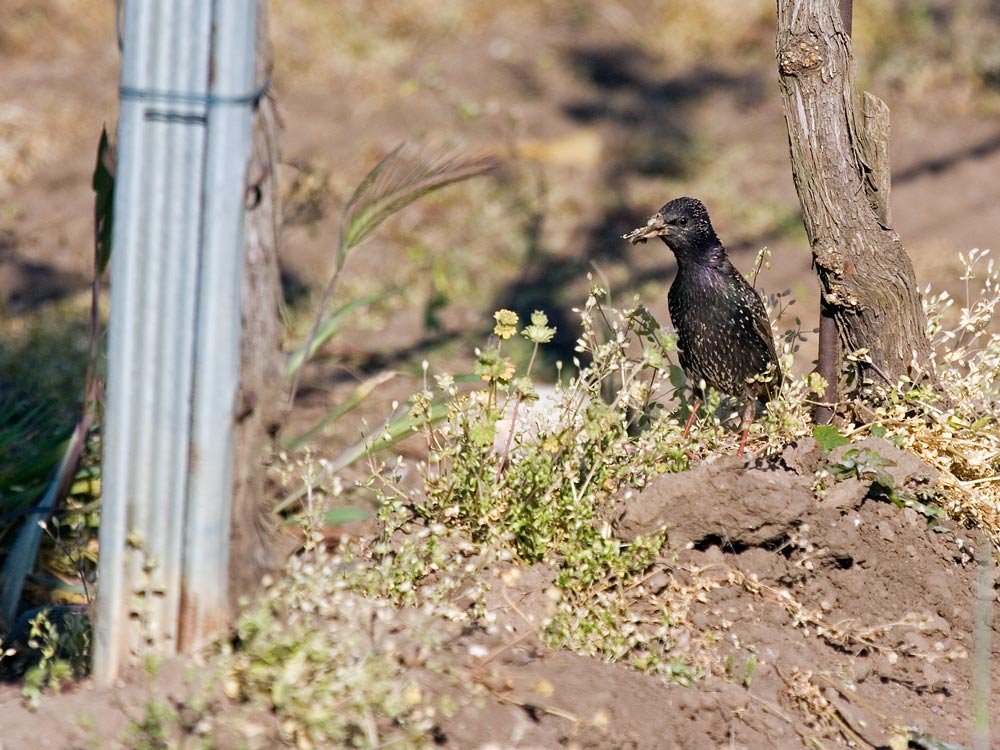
951	422
534	473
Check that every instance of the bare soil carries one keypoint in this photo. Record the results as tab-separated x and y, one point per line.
856	615
847	619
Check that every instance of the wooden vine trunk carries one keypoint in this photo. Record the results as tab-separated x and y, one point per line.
840	163
261	401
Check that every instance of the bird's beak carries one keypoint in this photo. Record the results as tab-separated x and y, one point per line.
655	227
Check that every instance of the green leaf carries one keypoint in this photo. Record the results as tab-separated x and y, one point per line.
878	430
677	377
828	437
103	183
482	433
883	482
334	517
22	555
338	516
981	422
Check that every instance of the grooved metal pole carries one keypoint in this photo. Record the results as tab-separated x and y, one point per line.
174	331
217	345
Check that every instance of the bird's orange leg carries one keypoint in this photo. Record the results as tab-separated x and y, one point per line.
748	415
694	413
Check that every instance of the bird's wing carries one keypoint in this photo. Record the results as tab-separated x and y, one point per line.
762	328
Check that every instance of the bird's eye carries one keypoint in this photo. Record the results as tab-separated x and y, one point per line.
682	221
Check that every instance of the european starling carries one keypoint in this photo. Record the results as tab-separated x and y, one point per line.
723	334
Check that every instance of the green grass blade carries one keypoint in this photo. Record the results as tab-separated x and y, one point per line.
390	434
32	439
21	559
355	399
334	516
393	431
398	180
357	197
330	327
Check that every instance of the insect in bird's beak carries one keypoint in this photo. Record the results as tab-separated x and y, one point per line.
655	227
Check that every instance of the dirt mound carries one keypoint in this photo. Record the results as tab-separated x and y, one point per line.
824	620
840	619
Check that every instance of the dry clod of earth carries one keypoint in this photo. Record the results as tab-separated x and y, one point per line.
734	508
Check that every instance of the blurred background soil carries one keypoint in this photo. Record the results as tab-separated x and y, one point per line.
600	110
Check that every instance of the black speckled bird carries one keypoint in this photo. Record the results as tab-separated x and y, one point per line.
723	334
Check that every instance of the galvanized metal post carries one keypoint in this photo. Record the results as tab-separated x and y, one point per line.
173	338
217	353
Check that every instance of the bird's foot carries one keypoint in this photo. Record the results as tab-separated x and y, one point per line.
691	417
743	441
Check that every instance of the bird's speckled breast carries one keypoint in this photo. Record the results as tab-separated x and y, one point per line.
713	310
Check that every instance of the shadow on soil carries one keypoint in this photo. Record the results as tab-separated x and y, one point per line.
646	121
